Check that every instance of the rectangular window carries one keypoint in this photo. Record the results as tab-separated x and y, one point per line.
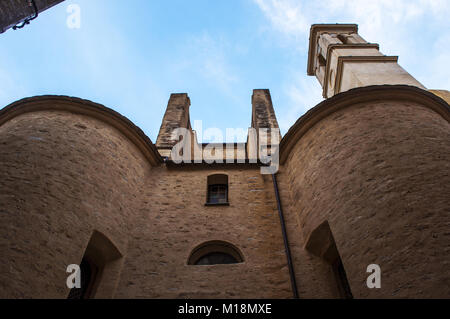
217	194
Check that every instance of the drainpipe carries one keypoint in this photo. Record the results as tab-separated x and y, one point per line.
285	239
31	3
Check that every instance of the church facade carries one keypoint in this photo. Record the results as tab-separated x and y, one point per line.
362	182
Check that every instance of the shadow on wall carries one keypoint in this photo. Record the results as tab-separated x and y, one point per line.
100	269
321	243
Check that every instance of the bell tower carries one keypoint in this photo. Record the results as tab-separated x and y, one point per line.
342	60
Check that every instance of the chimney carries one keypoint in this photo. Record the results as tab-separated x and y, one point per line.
263	117
342	60
176	116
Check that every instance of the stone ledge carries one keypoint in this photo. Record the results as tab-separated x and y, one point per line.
87	108
355	96
217	204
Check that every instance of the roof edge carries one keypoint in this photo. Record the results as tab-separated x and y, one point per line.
356	96
87	108
315	28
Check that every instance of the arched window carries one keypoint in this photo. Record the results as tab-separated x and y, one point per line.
215	253
217	190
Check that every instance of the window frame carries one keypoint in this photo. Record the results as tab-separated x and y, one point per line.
221	188
215	246
217	181
214	255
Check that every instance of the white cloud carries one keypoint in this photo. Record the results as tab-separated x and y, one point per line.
11	88
294	16
206	56
437	69
415	30
212	60
286	16
302	93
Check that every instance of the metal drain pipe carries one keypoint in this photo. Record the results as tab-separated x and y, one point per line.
285	239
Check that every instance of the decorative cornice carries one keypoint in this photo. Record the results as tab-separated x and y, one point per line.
330	50
357	59
356	96
87	108
315	28
444	94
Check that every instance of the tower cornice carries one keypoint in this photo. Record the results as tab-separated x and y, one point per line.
315	29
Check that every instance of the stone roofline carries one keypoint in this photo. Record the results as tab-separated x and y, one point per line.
301	126
87	108
357	96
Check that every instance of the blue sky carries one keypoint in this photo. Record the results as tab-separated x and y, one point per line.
130	55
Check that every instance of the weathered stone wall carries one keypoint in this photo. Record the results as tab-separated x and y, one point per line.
314	277
175	220
443	94
62	175
14	11
379	173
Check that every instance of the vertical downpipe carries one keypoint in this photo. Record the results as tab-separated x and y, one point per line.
285	239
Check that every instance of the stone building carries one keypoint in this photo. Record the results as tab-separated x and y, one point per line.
363	179
18	12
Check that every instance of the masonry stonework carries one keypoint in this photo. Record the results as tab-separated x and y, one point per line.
366	169
175	220
62	177
363	179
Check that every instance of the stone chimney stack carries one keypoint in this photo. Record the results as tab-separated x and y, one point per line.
176	116
263	115
342	60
